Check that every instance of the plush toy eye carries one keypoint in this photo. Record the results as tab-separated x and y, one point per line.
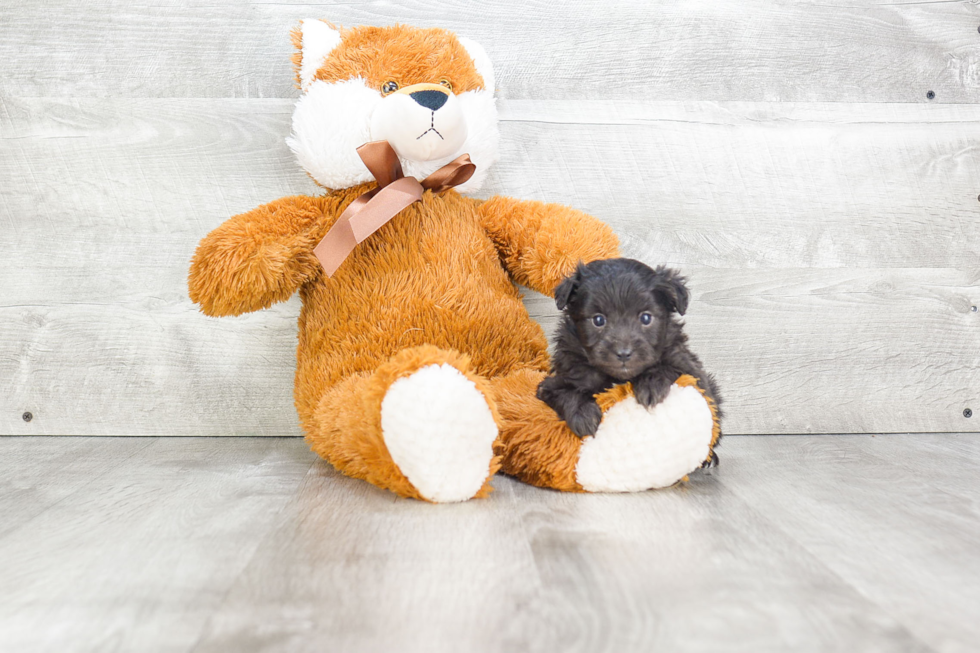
448	84
599	320
646	319
389	87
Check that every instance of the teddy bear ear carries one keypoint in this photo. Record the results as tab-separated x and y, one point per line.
314	40
482	61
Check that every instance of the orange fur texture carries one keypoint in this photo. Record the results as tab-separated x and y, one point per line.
348	419
399	53
435	285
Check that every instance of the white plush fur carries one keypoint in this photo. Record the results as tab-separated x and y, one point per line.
439	431
332	120
479	109
416	132
639	449
319	40
481	61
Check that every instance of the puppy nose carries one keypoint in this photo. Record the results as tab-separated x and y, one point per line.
430	99
624	354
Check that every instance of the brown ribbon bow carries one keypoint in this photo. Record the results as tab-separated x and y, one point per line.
373	209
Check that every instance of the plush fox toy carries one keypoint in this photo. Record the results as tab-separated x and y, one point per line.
417	362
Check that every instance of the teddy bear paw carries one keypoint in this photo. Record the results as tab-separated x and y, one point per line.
637	448
440	432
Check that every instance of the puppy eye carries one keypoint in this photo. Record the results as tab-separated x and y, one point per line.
448	84
646	319
389	87
599	320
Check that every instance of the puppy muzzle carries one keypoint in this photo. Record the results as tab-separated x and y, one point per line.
622	361
422	122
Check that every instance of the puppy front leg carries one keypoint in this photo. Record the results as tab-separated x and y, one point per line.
651	387
580	411
585	418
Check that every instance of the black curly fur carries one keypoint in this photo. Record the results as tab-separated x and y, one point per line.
590	359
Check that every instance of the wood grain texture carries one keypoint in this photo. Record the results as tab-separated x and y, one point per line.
836	543
795	351
830	249
137	556
346	553
923	483
757	50
107	202
43	472
755	185
825	351
569	573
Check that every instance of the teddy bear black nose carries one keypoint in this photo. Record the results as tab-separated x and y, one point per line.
430	99
624	354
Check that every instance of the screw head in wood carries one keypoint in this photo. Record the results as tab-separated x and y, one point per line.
28	416
967	413
930	95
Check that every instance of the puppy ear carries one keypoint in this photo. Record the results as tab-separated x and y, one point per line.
566	289
669	285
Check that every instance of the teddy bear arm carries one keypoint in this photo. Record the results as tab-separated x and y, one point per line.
260	257
540	243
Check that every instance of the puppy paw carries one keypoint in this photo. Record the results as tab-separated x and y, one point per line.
585	420
650	390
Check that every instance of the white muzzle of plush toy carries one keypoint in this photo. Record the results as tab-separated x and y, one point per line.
422	122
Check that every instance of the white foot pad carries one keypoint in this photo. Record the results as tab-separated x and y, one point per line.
639	449
439	431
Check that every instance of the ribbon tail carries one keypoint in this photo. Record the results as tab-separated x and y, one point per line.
335	246
339	241
374	209
456	172
388	203
380	159
362	218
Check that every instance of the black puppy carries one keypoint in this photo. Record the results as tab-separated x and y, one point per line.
618	326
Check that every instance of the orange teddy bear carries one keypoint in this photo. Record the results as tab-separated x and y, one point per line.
417	362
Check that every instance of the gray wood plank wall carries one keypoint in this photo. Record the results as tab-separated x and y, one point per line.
783	154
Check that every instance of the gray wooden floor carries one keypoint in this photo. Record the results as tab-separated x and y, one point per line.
830	543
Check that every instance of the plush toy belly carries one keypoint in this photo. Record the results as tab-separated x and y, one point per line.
430	277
